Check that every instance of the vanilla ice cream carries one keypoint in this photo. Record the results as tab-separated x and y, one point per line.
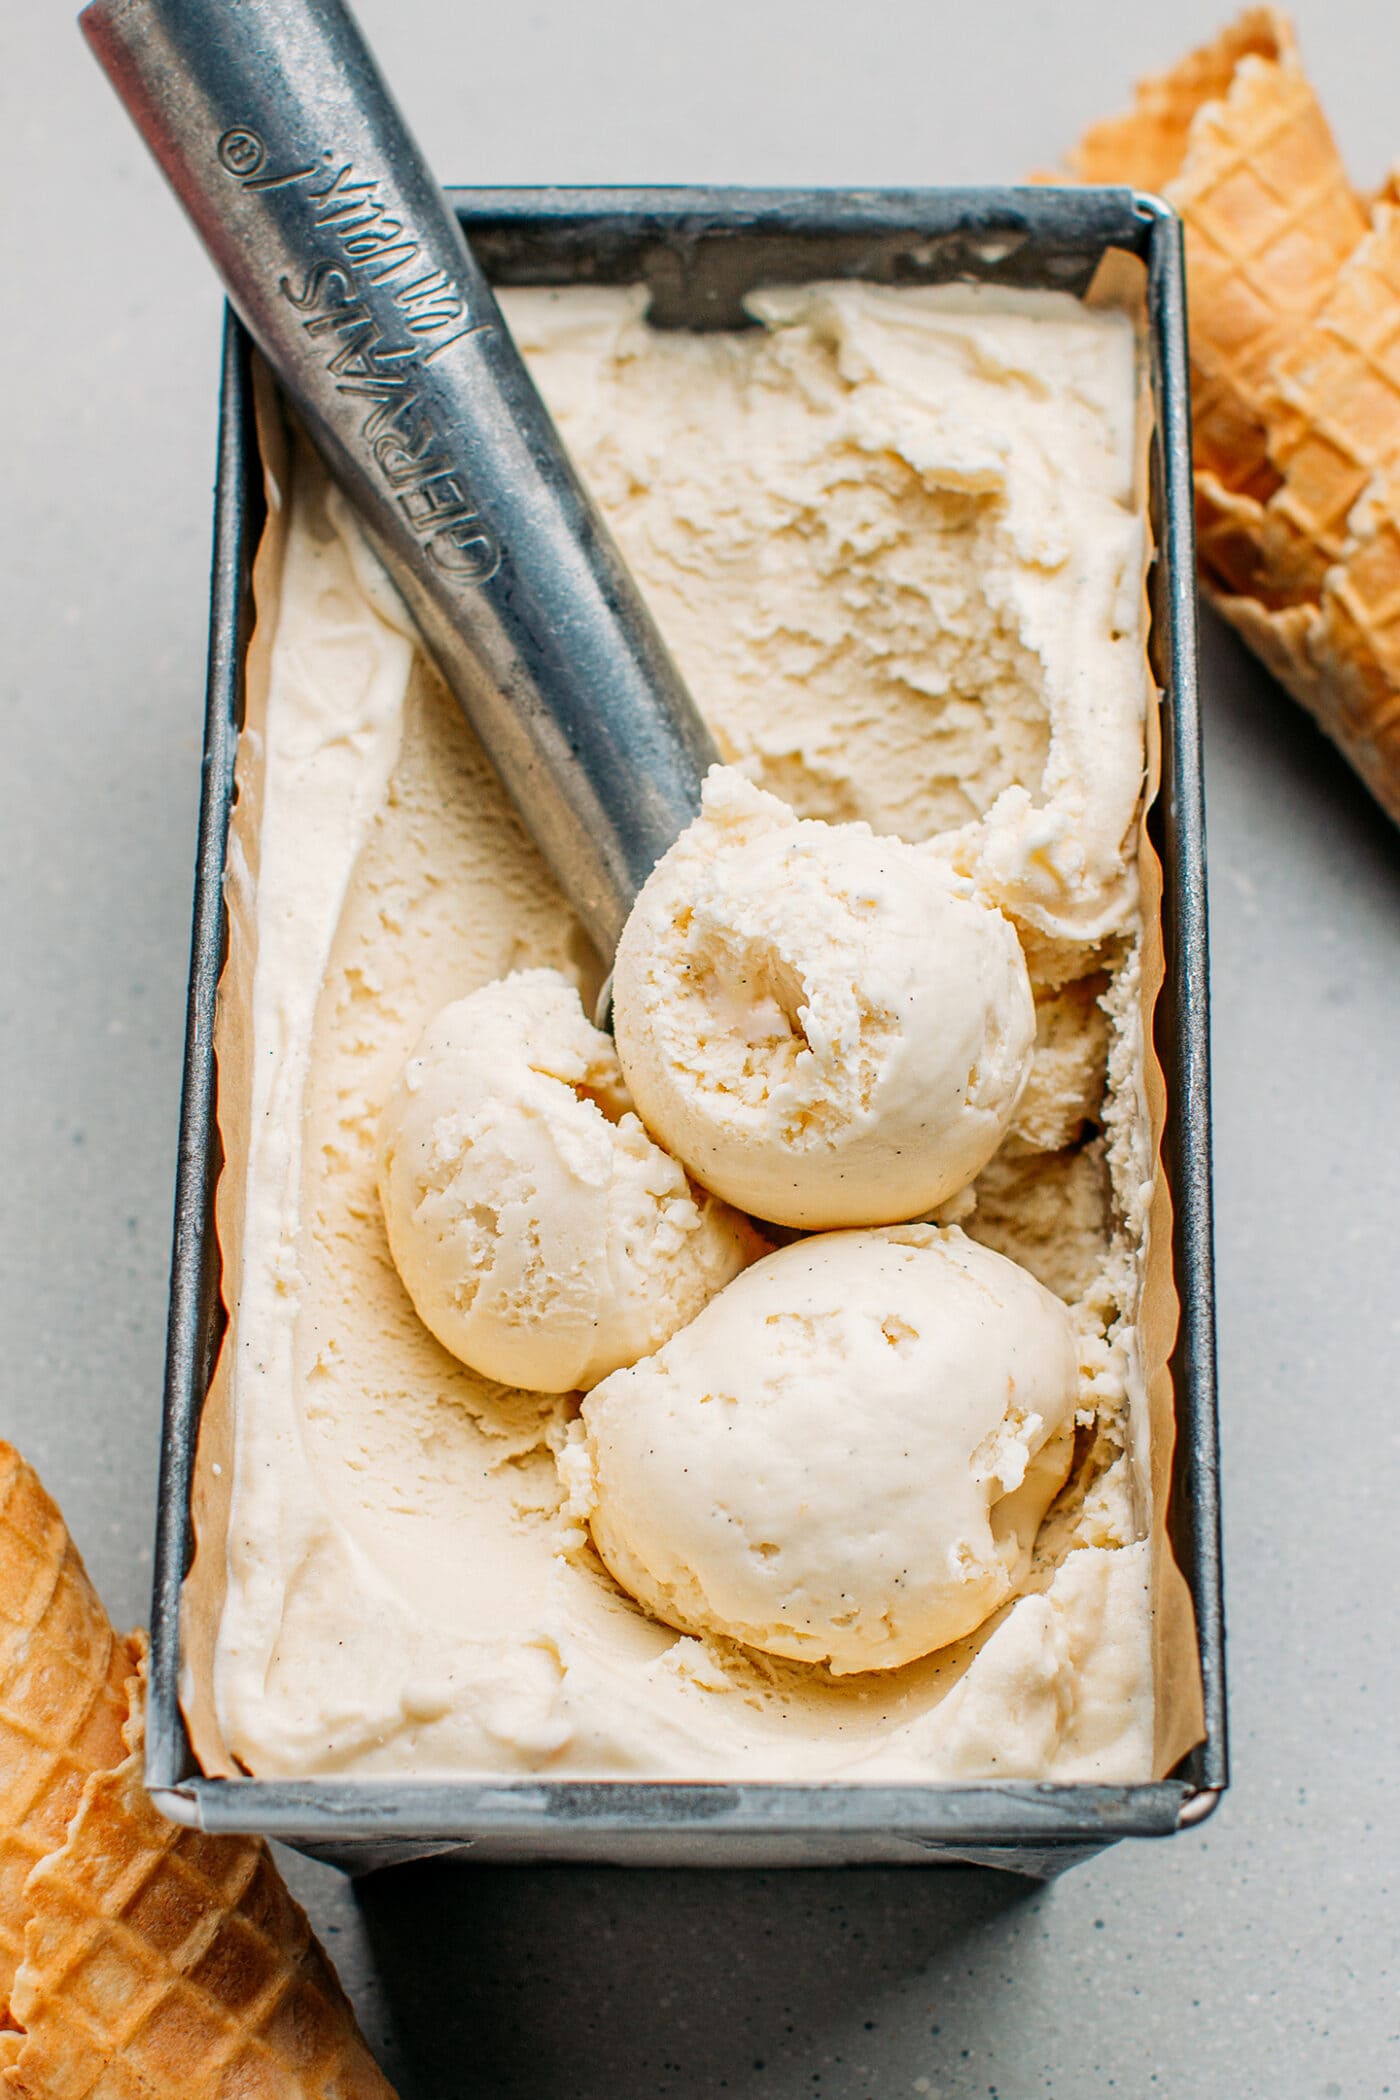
846	1458
895	540
828	1027
541	1234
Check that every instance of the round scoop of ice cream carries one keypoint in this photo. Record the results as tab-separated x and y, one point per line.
846	1457
541	1234
828	1027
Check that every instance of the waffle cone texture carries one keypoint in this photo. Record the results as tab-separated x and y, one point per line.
137	1958
1294	292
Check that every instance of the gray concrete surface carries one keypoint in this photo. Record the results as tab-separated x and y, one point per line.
1257	1957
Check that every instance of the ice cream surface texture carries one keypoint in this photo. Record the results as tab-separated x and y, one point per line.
896	542
828	1027
541	1234
846	1458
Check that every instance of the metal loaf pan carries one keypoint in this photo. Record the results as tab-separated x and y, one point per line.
700	251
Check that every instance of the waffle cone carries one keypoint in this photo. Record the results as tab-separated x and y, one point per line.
1234	138
162	1961
63	1702
1147	144
1295	371
1335	431
142	1959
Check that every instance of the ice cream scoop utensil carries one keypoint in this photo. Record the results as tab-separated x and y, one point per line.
342	257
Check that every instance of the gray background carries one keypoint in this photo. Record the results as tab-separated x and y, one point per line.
1254	1957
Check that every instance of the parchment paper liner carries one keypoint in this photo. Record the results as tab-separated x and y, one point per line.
1178	1707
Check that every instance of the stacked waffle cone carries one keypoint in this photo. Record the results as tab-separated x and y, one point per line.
1294	292
137	1959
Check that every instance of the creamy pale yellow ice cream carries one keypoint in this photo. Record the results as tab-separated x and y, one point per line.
542	1235
846	1457
828	1027
896	541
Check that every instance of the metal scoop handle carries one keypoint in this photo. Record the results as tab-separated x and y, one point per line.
340	253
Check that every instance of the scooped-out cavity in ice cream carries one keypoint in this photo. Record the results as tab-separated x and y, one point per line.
828	1027
542	1236
846	1457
